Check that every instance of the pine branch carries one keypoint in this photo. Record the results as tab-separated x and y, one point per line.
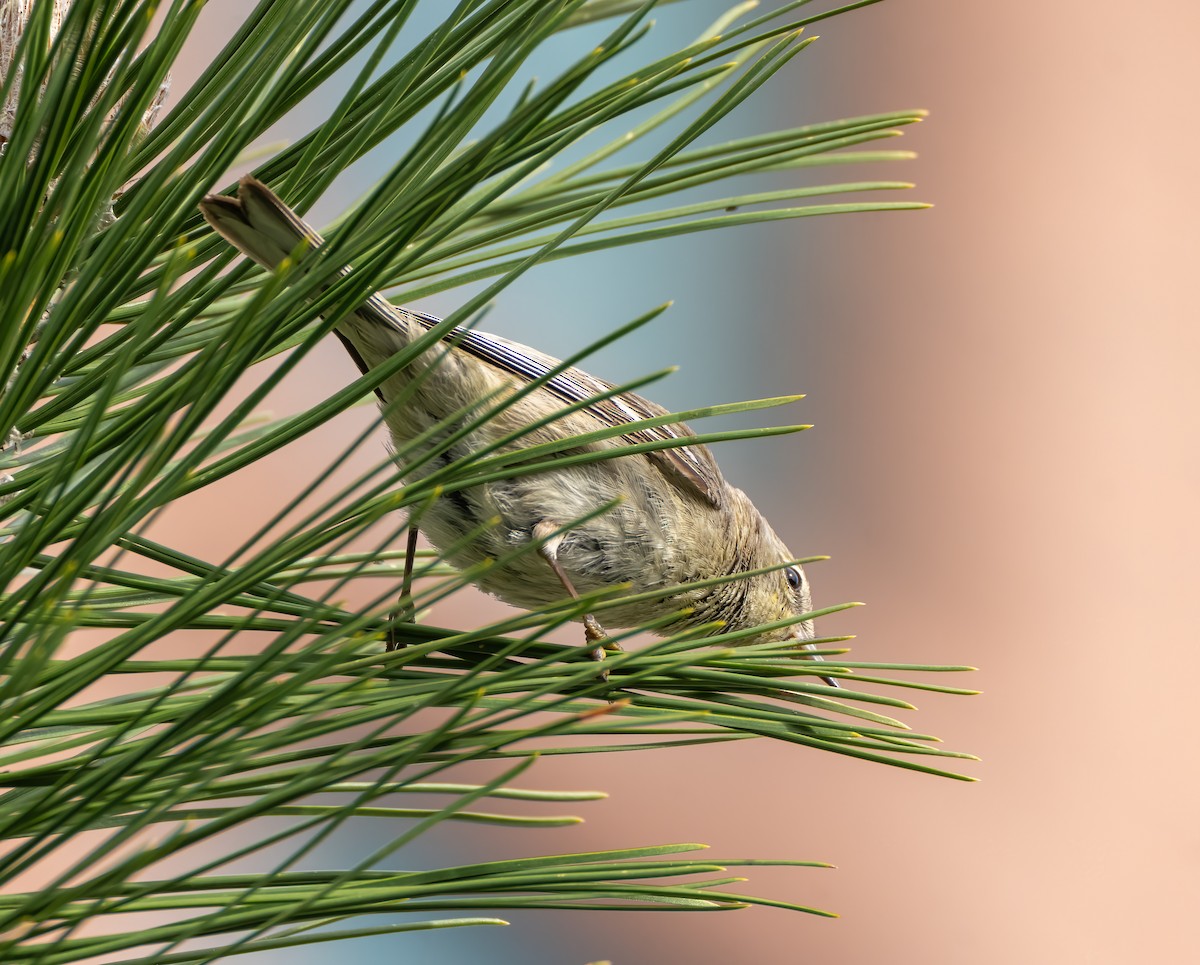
136	358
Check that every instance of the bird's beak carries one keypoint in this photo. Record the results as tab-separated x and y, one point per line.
816	656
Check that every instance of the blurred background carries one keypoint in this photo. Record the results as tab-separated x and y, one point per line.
1004	467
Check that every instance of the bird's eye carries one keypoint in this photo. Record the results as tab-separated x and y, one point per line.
794	577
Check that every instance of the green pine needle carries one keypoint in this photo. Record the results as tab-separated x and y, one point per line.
153	700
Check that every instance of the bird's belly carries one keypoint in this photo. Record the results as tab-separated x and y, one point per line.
603	547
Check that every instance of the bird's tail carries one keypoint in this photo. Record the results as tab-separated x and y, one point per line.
258	223
265	229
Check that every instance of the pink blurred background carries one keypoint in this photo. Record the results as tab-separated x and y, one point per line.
1004	467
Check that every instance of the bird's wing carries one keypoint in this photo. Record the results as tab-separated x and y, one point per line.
692	467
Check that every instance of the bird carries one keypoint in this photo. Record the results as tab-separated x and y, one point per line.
658	520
